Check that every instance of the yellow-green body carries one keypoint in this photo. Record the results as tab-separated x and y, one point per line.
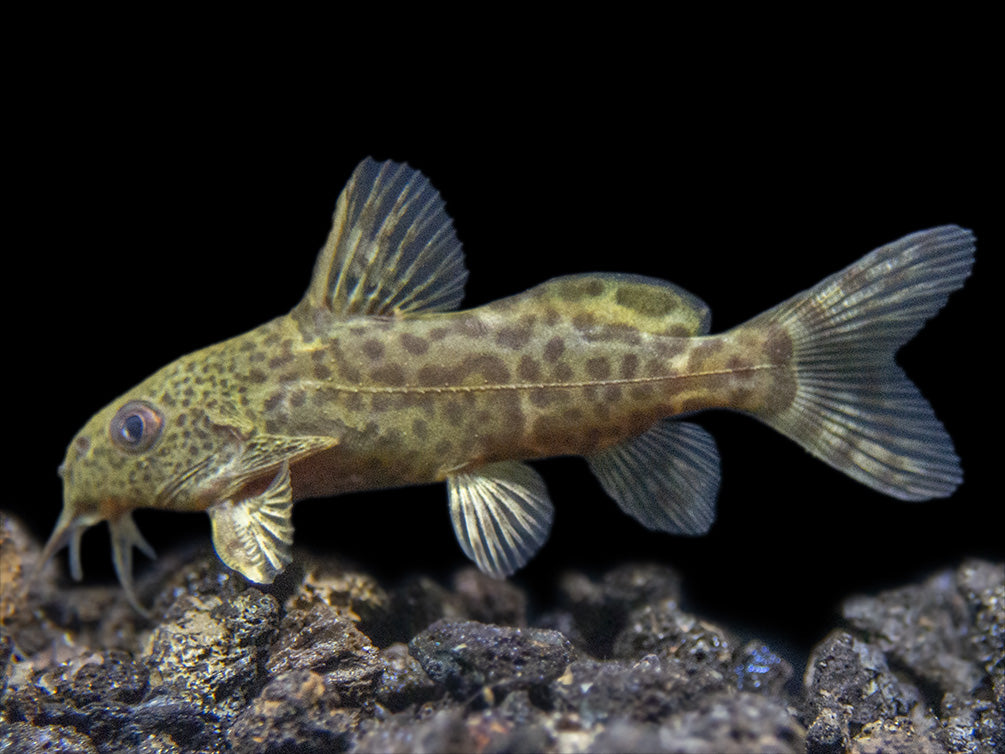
570	367
372	382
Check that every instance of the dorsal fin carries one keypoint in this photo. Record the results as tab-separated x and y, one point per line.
392	247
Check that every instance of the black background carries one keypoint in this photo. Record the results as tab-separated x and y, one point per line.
168	206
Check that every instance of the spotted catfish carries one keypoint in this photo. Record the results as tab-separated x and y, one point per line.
372	381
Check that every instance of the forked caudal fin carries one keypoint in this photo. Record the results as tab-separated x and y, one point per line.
853	406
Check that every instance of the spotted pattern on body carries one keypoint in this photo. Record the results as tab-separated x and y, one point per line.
374	381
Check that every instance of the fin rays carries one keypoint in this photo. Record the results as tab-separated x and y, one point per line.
667	478
255	536
392	247
501	515
854	407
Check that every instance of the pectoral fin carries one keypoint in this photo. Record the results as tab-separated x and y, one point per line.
501	515
254	536
667	478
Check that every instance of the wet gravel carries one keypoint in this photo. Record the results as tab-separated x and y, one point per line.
329	659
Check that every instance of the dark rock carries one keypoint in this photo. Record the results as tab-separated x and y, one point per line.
973	723
489	600
982	585
738	723
916	734
24	738
757	668
211	651
443	731
113	676
725	724
600	608
159	724
352	593
291	715
403	681
851	677
6	659
324	641
420	601
668	632
923	627
829	733
513	727
219	667
647	691
465	656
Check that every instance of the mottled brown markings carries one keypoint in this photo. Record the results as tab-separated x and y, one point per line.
284	357
702	353
554	349
573	415
641	392
584	321
516	336
668	348
470	327
616	333
389	374
629	366
373	349
598	367
563	372
541	397
528	369
778	346
647	300
453	412
414	344
574	289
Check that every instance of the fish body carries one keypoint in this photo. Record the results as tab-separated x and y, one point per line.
374	381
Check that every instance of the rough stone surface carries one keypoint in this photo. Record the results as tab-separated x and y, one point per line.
467	656
294	712
330	659
211	651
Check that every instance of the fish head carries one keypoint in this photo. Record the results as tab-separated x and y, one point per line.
145	449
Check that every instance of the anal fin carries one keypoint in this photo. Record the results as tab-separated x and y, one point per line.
254	536
501	514
667	478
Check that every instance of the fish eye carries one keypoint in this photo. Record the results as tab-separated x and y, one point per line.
136	426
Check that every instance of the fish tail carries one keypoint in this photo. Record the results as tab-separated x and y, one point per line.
851	405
